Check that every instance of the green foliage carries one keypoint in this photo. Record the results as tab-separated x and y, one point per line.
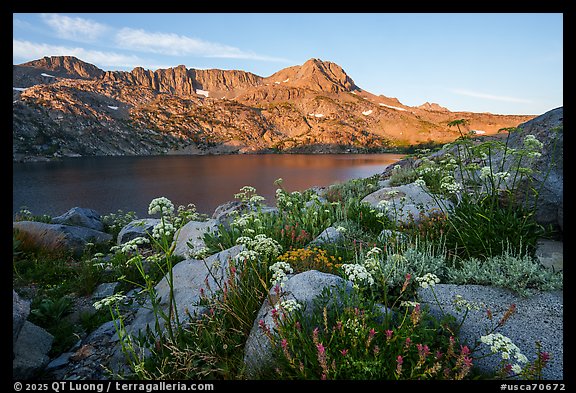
519	273
402	175
114	222
366	216
211	347
26	215
485	228
355	188
50	311
354	340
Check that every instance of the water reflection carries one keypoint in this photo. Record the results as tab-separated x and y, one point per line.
107	184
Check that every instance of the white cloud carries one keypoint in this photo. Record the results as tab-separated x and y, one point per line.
75	28
489	96
178	45
27	51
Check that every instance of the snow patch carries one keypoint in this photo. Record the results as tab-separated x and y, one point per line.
479	132
276	83
202	92
19	88
392	107
316	114
286	80
353	92
366	113
113	107
47	75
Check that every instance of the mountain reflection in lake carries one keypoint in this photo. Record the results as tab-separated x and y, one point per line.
107	184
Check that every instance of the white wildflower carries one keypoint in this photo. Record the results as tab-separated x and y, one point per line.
461	303
109	300
161	205
516	369
288	306
279	273
357	274
532	144
485	172
163	229
384	204
420	182
246	255
500	343
428	280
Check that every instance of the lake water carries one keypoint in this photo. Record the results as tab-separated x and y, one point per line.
107	184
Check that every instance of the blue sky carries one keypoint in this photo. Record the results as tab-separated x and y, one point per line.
507	63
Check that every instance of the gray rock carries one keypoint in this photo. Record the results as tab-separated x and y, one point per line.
550	253
60	361
103	333
58	237
30	351
81	217
407	202
193	233
304	288
190	278
137	228
20	312
548	178
538	318
104	290
328	235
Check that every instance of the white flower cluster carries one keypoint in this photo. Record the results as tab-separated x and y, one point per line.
341	229
241	221
532	144
161	229
246	255
374	252
502	175
161	205
244	194
384	205
450	185
279	273
500	343
357	274
260	245
201	253
420	182
109	300
132	245
461	303
266	246
485	172
353	325
408	303
428	280
288	306
256	199
372	261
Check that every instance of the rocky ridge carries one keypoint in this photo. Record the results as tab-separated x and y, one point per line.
63	106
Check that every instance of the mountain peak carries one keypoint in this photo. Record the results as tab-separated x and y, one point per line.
433	107
315	74
66	66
